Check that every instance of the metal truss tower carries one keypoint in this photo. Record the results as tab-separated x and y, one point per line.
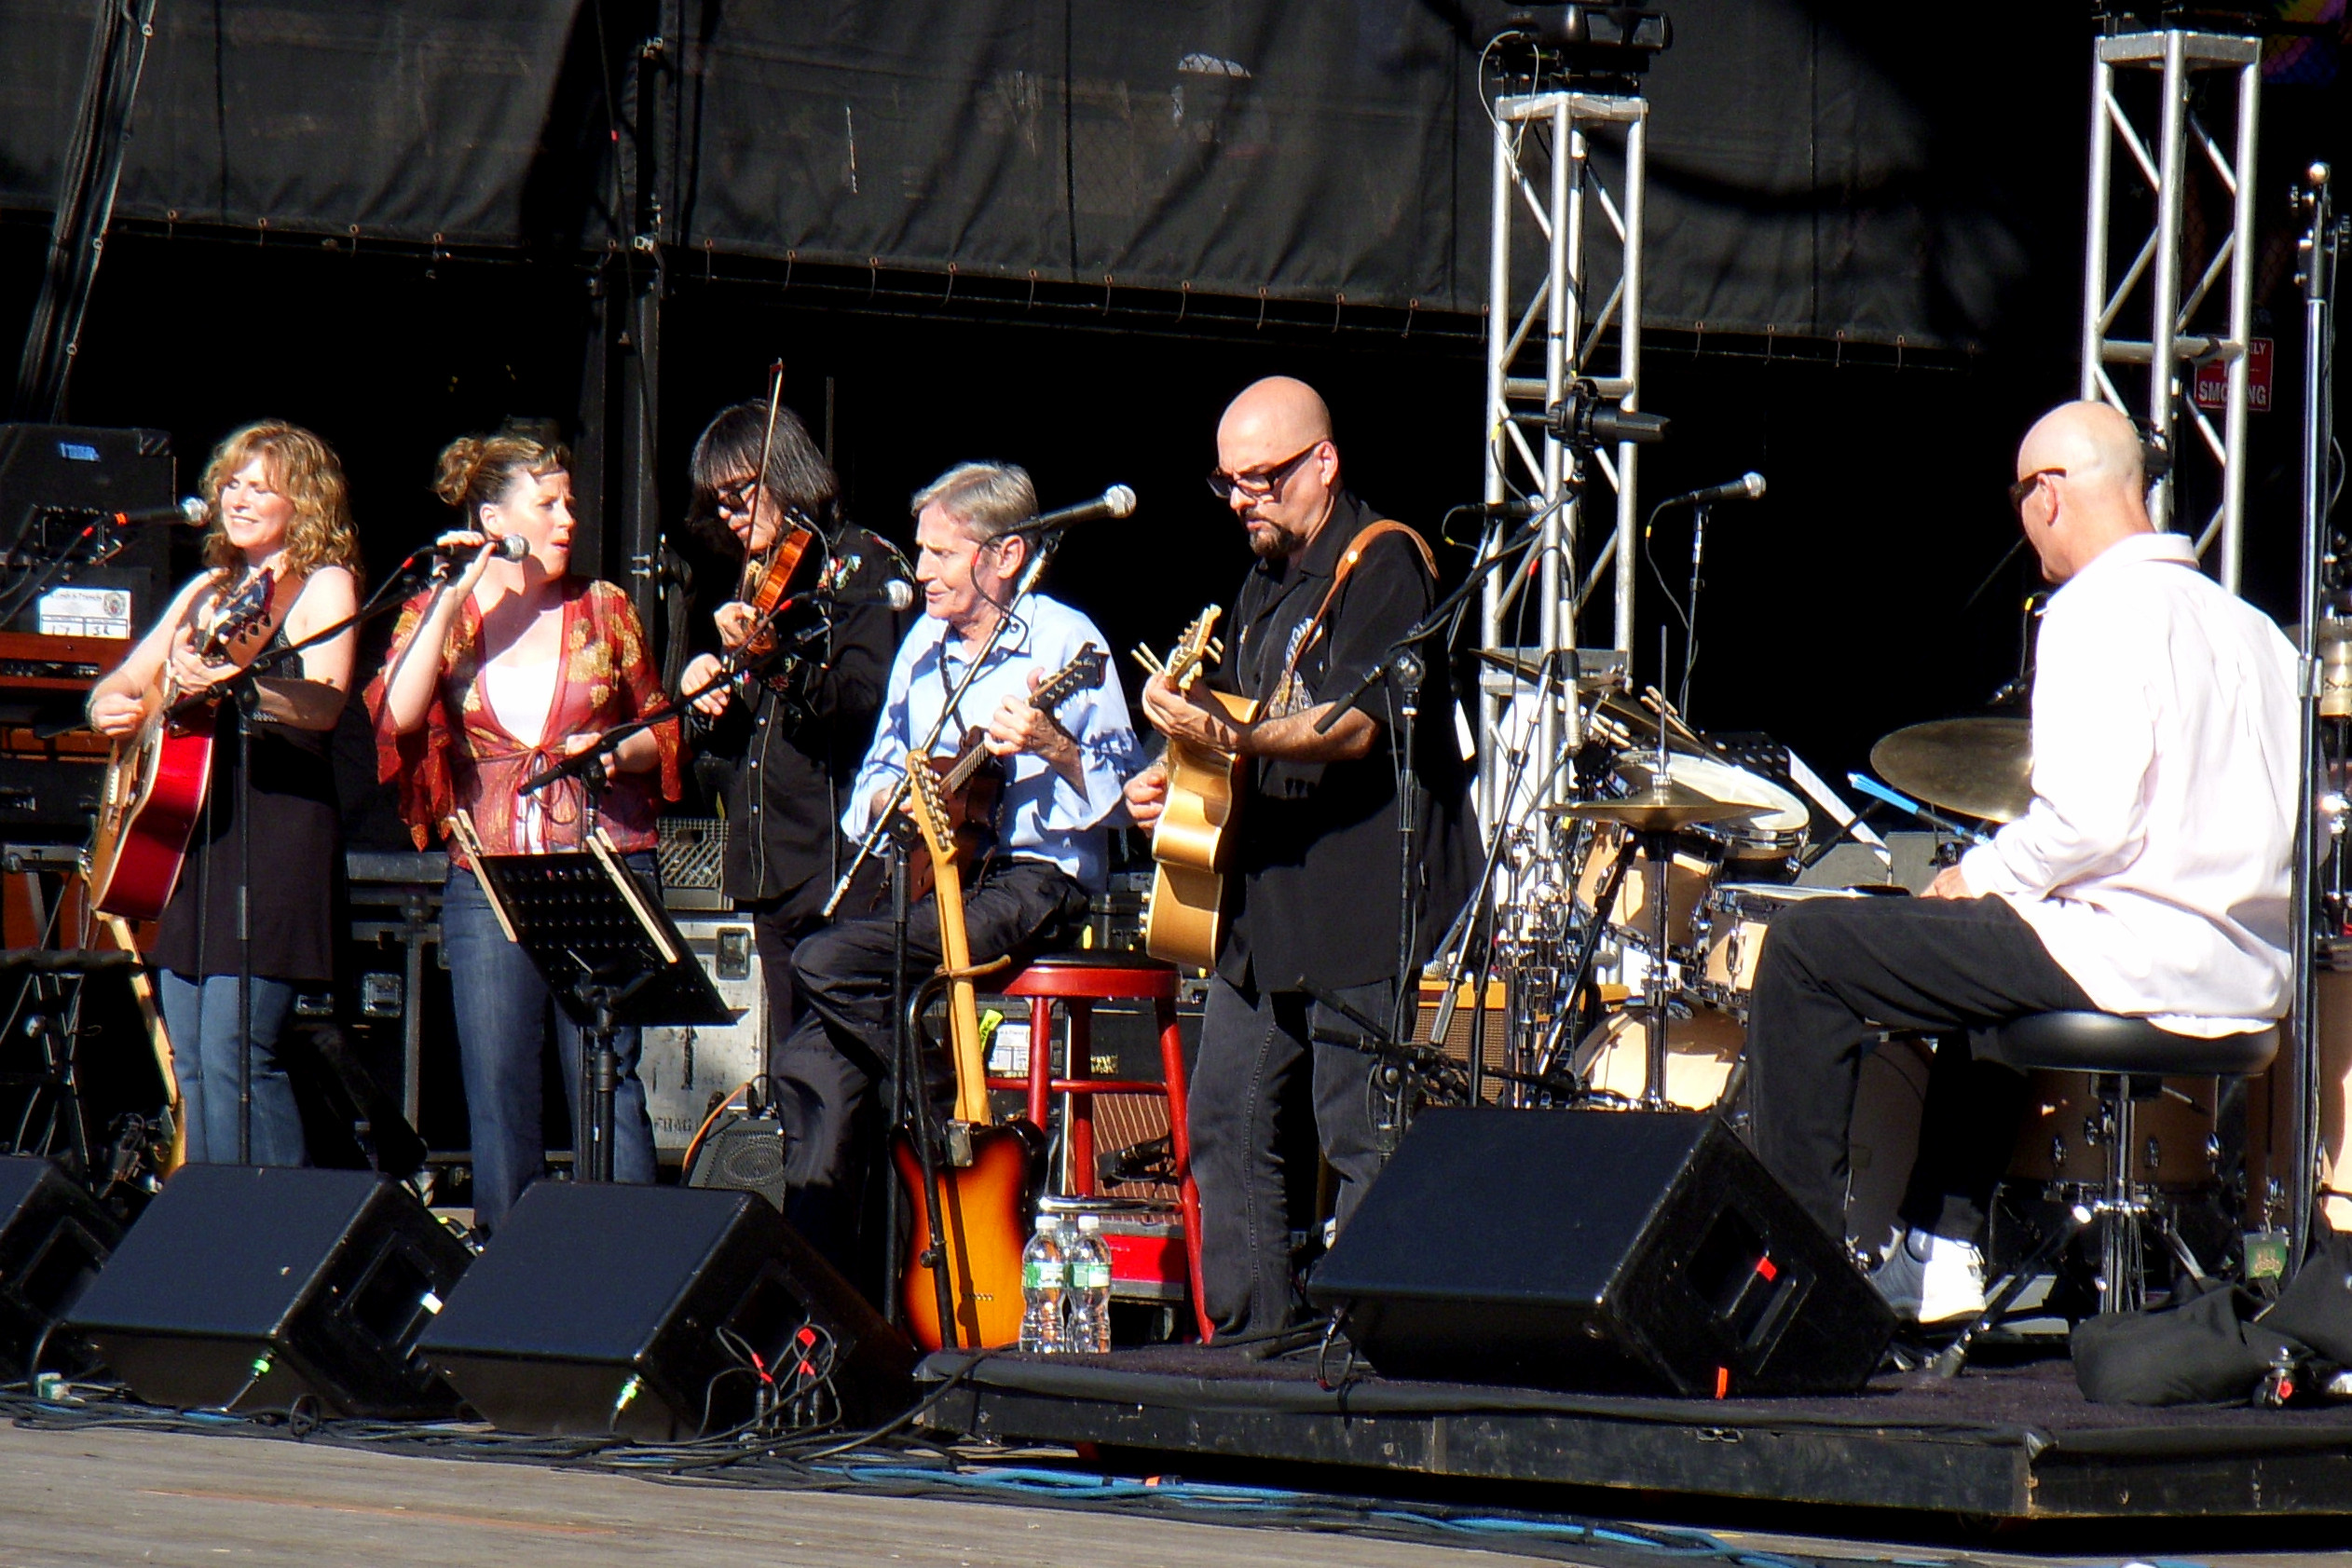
1548	193
2190	279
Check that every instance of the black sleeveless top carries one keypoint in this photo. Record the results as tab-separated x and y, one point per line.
297	858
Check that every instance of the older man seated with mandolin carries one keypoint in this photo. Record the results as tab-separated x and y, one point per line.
1054	775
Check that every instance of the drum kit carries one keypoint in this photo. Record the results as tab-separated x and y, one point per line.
1681	860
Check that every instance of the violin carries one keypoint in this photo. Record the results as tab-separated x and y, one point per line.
769	574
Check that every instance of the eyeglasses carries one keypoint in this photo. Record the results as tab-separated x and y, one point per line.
1259	482
2024	487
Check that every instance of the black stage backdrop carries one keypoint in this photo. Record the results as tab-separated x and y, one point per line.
1816	168
1838	607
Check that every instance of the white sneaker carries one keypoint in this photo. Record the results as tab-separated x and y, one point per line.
1930	1279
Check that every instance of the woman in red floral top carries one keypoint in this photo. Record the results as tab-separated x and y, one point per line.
491	678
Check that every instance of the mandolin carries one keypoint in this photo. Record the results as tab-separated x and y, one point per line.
1193	842
985	1172
156	780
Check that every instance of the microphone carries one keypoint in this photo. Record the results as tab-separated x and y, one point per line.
897	593
1117	501
506	547
1747	487
194	510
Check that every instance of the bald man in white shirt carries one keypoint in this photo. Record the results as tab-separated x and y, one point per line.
2149	878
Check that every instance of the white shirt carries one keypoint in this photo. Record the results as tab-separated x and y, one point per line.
1042	816
2153	862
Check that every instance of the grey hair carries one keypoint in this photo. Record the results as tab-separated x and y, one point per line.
987	498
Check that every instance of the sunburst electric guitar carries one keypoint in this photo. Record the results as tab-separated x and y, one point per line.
156	780
1193	841
985	1171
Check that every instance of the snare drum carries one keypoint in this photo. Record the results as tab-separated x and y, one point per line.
2060	1140
1700	1052
1729	935
1752	847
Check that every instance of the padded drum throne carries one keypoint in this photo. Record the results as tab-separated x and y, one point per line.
2127	1060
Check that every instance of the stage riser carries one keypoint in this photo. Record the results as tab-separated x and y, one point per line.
1983	1473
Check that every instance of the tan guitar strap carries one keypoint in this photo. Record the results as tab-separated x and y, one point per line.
1354	553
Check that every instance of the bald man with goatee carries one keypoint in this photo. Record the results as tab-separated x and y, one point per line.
2148	879
1312	897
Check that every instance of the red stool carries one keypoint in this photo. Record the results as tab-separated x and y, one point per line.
1079	980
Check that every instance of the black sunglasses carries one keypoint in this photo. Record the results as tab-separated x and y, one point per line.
1260	482
2024	487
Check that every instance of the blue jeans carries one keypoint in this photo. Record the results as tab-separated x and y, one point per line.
201	1019
503	1009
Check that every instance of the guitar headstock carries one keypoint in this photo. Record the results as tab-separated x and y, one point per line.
930	810
1082	674
1198	644
241	615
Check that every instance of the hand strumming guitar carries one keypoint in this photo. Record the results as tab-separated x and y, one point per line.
1147	796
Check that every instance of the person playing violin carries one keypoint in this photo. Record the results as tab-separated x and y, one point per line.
783	736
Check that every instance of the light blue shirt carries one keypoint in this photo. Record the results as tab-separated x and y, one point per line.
1042	816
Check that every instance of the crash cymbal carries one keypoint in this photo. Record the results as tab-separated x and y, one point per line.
1654	809
1978	767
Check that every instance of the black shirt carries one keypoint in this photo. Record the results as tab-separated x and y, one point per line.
784	758
1313	894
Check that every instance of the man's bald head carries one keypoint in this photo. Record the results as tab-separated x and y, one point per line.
1273	445
1281	413
2090	485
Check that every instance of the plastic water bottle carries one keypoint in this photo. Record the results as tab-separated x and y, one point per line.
1090	1289
1043	1275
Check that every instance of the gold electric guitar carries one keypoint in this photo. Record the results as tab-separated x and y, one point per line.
1193	842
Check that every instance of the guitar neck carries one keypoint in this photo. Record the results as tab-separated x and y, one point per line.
963	1008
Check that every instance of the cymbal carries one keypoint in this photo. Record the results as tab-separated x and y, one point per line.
1978	767
1639	723
1654	809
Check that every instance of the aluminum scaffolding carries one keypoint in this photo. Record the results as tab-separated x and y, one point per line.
2177	62
1543	163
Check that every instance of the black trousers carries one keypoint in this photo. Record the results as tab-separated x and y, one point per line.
828	1069
1835	970
778	925
1252	1043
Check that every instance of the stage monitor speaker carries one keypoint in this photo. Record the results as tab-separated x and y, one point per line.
54	1238
251	1287
638	1311
1597	1250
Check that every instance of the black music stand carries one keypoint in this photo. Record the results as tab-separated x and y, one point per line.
613	957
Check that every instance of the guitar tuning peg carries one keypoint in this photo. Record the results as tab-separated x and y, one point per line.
1216	647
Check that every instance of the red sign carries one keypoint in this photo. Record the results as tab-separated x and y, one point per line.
2213	380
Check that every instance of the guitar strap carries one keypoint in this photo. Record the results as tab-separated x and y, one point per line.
1355	552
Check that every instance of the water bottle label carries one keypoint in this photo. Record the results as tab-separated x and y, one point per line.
1090	1275
1041	1276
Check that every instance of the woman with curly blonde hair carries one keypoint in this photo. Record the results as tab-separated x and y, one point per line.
493	677
281	534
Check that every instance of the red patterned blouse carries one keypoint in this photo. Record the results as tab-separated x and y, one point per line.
462	757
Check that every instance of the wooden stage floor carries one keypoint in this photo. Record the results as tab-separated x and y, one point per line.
99	1495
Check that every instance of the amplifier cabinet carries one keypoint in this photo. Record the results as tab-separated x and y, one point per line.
683	1066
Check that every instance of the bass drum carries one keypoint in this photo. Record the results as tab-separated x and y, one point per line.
1700	1052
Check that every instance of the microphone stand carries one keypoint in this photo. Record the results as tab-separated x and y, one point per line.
61	565
1690	620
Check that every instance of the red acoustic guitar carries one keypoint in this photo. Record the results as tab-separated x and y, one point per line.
157	780
985	1171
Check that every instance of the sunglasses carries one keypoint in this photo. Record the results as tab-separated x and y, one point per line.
1259	482
2024	487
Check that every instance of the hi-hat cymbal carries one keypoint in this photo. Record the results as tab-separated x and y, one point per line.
1655	810
1978	767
